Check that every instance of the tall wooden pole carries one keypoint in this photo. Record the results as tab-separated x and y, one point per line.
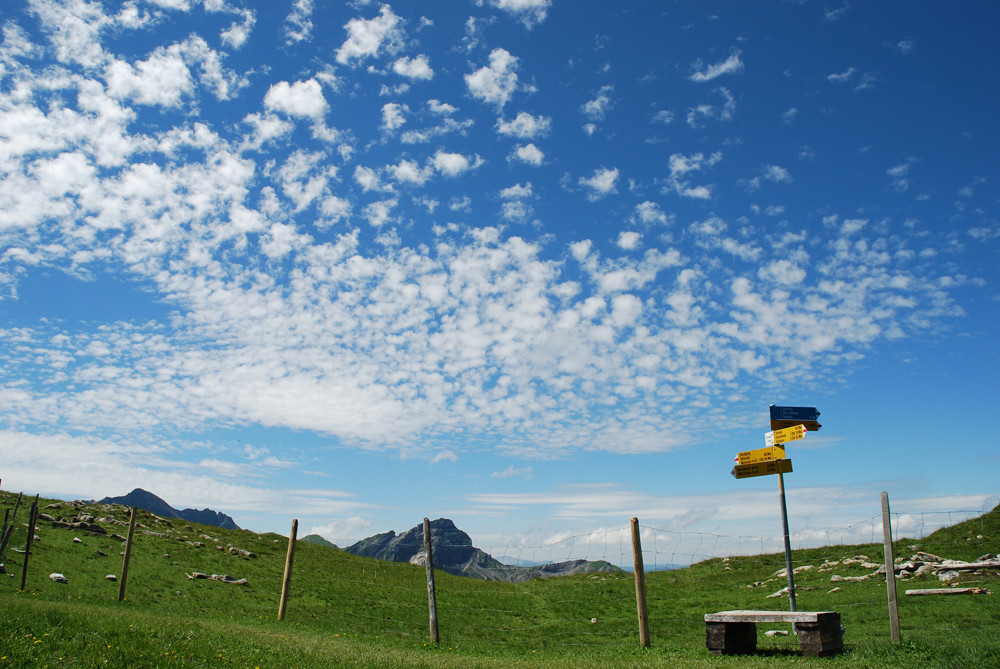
128	555
890	571
286	581
640	585
788	545
32	517
431	593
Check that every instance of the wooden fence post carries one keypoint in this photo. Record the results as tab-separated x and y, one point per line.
128	554
9	529
890	571
286	581
32	517
431	594
640	585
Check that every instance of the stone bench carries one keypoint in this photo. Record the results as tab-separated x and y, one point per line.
730	632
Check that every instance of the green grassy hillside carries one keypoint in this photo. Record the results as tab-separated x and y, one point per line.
346	610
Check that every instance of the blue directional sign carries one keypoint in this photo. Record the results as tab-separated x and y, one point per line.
794	413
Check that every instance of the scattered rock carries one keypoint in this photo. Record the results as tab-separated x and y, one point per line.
233	550
776	633
949	575
779	593
832	590
225	578
77	540
58	578
111	577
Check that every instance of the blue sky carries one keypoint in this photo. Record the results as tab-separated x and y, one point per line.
534	265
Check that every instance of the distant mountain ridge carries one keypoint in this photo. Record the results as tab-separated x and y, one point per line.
455	554
147	501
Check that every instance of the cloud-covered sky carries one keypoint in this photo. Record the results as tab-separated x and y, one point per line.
534	265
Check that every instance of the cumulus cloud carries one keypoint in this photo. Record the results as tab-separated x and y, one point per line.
529	12
414	68
368	38
496	82
601	183
453	164
525	126
393	116
302	98
530	154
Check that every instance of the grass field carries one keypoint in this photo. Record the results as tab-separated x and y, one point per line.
348	611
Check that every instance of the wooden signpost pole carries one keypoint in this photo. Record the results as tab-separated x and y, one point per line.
788	545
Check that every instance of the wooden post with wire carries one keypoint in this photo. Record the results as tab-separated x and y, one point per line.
128	555
890	571
32	518
640	585
286	581
431	593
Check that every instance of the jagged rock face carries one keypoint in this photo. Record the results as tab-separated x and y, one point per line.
451	545
455	554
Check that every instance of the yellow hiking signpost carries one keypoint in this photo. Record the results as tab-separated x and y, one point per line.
787	424
784	436
762	468
760	455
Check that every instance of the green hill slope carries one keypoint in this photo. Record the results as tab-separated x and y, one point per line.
346	610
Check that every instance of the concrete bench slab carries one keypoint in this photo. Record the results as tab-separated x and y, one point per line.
732	632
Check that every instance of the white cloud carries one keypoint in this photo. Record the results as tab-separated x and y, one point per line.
771	173
681	165
298	23
414	68
369	38
842	77
730	65
698	114
445	455
302	98
900	175
162	79
516	206
602	183
650	212
409	172
496	82
236	35
628	240
453	164
392	116
597	107
529	12
369	179
525	472
377	213
525	126
663	116
530	154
